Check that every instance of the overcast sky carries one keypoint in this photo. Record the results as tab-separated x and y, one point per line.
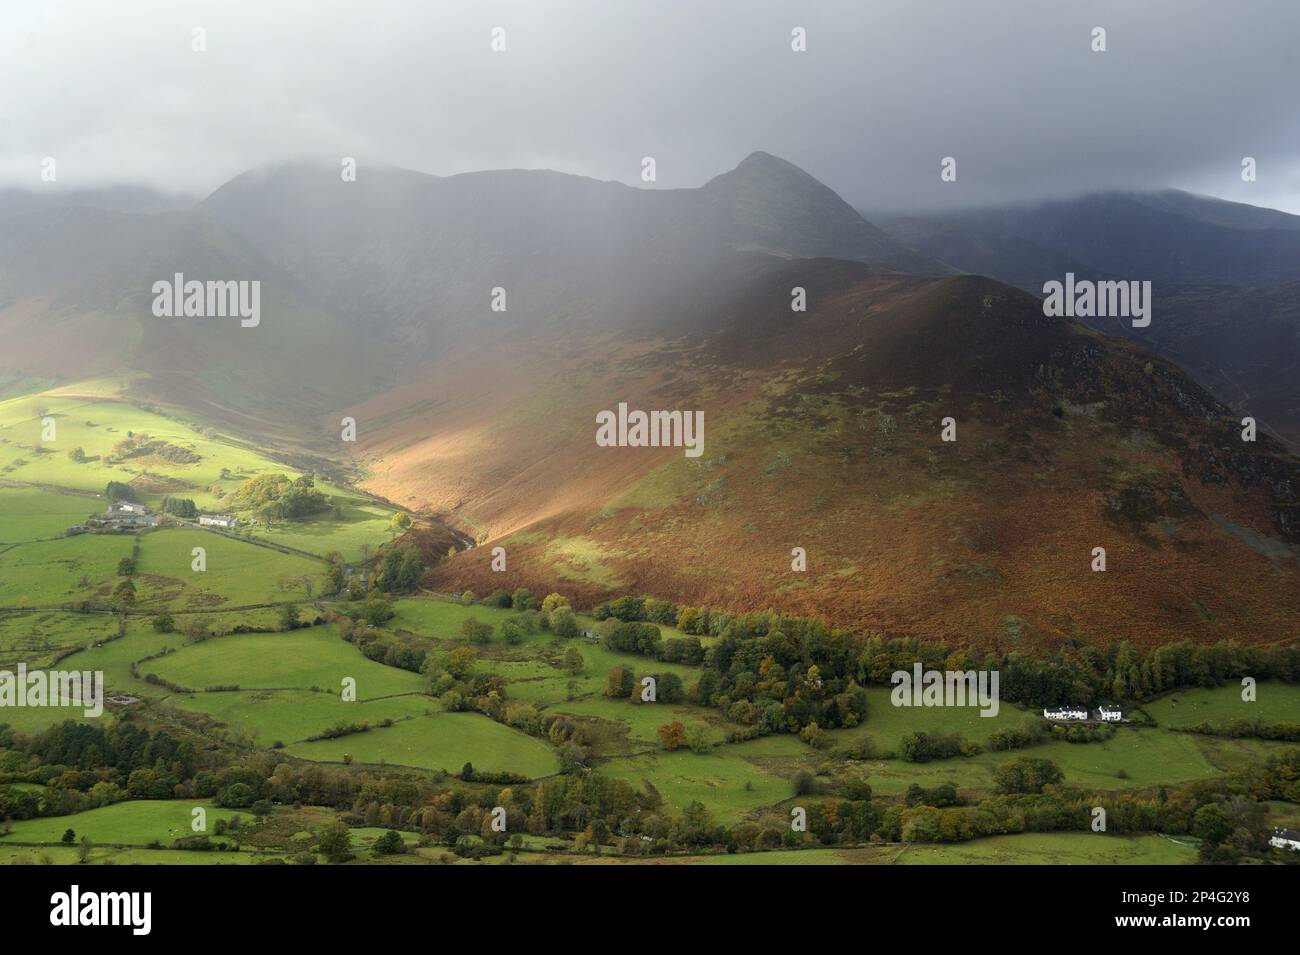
1010	88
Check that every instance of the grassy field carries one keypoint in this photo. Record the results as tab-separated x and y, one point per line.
1274	703
1131	759
887	724
115	657
290	716
301	659
39	636
111	855
643	719
97	426
238	573
1055	848
361	527
58	572
135	823
444	741
289	683
442	618
725	780
30	513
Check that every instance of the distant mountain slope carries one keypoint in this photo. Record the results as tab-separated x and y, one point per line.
415	257
76	302
1226	279
1167	237
109	198
822	427
823	432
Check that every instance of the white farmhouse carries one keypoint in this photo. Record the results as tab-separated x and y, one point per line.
1110	714
1067	713
1285	839
217	520
127	507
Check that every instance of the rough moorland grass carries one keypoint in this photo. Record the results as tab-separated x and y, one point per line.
37	637
290	716
49	573
1054	848
443	741
238	573
300	659
115	657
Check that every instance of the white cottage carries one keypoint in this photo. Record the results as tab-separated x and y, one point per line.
1285	839
217	520
1067	713
1110	714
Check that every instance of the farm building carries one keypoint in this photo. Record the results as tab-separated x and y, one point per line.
1285	839
121	516
1067	713
218	520
1110	714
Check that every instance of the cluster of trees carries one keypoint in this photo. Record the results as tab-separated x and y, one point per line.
475	631
139	444
676	734
922	746
376	611
83	766
452	677
632	609
380	646
1034	732
553	613
277	497
642	638
1075	673
1228	818
88	766
400	570
774	672
179	506
623	684
1026	775
117	491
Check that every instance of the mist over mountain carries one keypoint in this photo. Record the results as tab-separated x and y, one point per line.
1169	237
822	424
109	198
1224	278
414	257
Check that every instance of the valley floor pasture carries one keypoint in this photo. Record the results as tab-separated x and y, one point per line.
311	717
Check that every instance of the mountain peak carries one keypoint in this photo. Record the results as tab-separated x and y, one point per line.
762	167
769	204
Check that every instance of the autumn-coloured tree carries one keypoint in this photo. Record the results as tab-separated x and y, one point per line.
672	735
